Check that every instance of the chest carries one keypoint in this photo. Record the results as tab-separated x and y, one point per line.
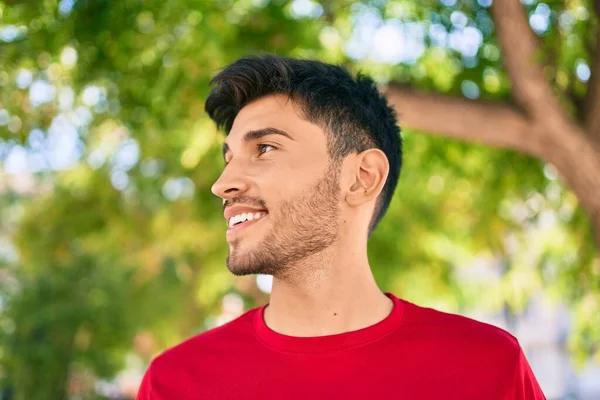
354	375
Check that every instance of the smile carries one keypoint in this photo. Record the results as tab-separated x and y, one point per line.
242	221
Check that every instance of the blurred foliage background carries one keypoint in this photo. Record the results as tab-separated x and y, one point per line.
112	246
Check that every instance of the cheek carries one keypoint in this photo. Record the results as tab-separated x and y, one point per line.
278	183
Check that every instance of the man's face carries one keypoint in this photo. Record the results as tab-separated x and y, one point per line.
287	182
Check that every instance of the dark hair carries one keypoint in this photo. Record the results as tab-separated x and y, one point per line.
351	110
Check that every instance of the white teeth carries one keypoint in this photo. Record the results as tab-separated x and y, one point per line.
244	217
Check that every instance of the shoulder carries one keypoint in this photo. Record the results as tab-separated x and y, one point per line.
170	372
461	331
209	344
469	348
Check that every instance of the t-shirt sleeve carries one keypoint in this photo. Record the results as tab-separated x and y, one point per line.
145	390
526	386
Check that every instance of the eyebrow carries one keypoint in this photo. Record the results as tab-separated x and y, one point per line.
257	134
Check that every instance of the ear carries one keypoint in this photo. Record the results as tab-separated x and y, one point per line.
370	172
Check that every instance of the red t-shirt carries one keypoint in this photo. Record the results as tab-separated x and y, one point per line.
414	353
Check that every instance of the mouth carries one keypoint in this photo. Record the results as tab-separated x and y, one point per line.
244	225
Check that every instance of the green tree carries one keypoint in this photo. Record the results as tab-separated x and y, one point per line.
121	233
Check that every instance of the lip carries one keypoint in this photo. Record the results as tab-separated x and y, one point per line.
238	209
240	227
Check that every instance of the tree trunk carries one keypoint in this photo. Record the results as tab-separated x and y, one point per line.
538	125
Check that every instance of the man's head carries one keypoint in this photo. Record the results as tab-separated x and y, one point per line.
309	148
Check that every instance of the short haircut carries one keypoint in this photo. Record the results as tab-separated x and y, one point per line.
352	112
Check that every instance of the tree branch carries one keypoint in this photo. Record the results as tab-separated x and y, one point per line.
591	108
557	141
520	49
488	123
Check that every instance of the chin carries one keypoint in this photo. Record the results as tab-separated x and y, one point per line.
241	264
243	272
243	269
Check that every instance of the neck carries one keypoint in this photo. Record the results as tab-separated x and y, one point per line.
325	294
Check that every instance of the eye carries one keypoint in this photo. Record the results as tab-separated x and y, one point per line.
262	146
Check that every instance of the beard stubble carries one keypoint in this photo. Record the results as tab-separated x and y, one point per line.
303	226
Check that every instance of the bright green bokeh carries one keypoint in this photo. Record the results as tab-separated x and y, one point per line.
96	264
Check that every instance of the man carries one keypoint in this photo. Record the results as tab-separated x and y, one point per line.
312	158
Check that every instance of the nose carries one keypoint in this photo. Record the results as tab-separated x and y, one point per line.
232	182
